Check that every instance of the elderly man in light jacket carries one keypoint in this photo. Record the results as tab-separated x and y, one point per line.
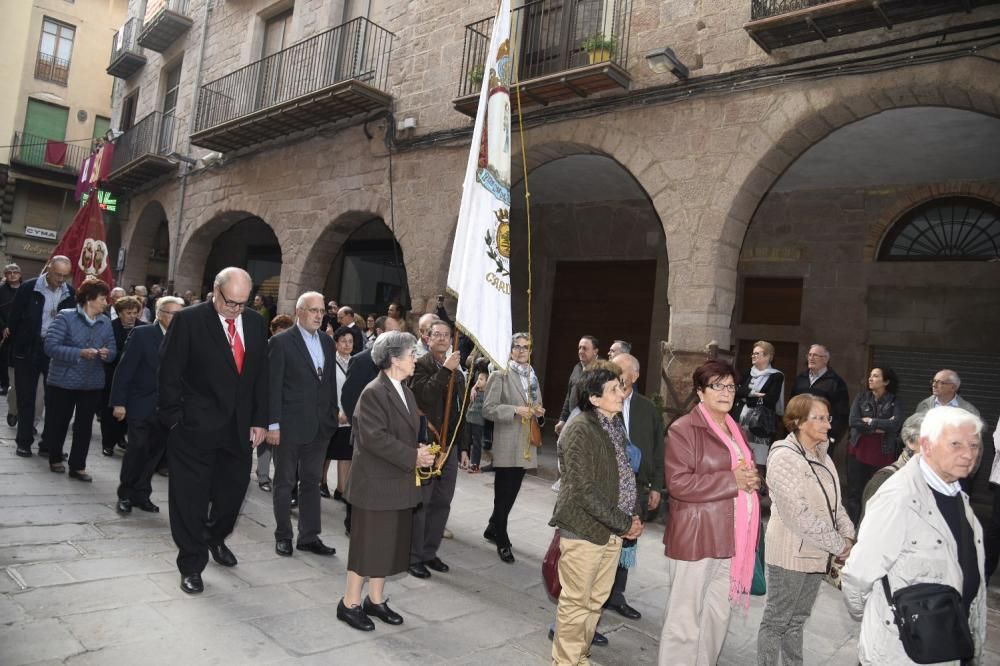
907	535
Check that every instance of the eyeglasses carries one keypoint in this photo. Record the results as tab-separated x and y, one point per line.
718	386
315	311
232	304
521	348
939	382
439	335
828	418
816	355
756	354
166	312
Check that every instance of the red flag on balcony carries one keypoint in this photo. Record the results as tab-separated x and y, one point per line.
84	244
55	153
101	166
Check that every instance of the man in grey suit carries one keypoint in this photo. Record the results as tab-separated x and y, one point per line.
303	416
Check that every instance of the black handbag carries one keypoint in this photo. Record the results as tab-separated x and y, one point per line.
933	625
761	421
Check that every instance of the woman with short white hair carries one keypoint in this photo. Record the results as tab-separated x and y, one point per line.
919	528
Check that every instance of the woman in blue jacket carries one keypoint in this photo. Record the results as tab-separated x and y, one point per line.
79	343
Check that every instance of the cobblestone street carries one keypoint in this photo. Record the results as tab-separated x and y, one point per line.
83	585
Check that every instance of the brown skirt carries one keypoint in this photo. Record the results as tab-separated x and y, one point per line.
380	542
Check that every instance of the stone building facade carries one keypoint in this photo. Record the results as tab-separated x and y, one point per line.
680	173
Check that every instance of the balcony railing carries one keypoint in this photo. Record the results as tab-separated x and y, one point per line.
126	54
51	68
166	21
336	75
779	23
49	154
561	50
141	153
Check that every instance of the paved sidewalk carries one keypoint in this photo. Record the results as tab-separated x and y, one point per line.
82	585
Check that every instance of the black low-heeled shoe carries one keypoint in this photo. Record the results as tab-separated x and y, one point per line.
80	475
505	554
381	611
354	617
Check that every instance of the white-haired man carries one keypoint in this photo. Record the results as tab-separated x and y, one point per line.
424	325
213	398
920	528
303	415
944	391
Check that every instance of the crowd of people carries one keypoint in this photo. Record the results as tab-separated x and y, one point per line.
194	388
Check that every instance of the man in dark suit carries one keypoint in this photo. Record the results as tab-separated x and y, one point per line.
213	399
133	398
303	417
345	317
429	383
36	304
644	426
362	370
820	379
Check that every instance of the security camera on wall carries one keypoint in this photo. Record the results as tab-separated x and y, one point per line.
211	158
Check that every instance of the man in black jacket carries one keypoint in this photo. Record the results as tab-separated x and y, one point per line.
362	370
303	417
133	397
213	399
820	379
36	304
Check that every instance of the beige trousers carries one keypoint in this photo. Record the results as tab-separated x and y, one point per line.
698	612
586	573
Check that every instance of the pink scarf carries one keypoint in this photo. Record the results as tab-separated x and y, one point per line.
747	518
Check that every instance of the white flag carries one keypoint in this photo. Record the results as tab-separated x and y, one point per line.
479	273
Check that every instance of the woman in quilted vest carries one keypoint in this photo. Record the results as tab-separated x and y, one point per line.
808	526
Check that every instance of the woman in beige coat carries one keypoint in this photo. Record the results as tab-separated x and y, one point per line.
513	398
808	526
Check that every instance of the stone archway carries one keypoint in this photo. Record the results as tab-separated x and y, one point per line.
246	238
148	246
592	221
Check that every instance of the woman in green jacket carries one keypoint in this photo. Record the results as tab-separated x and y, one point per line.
596	508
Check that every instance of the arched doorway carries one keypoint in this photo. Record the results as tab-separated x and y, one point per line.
368	272
232	238
148	251
599	266
251	244
832	254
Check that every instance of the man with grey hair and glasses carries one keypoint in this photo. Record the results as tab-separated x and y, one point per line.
944	391
820	379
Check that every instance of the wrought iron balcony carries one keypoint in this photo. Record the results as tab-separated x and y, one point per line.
126	54
334	76
141	153
51	68
50	155
775	24
166	21
561	50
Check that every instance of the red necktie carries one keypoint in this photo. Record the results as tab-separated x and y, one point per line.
236	344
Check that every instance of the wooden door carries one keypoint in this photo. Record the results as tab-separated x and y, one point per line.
608	299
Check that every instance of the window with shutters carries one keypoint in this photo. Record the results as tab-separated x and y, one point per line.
945	229
54	52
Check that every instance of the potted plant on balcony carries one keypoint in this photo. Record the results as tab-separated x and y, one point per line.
475	76
599	47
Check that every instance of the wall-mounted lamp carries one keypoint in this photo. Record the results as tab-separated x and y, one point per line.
665	60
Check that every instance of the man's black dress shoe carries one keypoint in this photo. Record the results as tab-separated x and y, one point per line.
418	570
222	555
108	451
489	535
23	453
124	506
12	420
146	505
354	617
599	639
505	554
324	490
80	475
295	501
283	547
317	547
192	584
381	611
625	611
437	565
265	486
